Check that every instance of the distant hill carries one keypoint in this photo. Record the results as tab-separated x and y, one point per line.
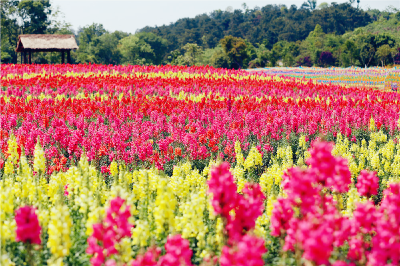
385	23
268	25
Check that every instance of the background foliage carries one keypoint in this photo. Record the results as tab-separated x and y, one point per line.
274	35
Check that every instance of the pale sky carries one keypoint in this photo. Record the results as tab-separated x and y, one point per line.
130	15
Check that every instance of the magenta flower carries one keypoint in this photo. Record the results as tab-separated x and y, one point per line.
223	189
178	252
148	259
101	244
367	183
364	217
248	252
250	206
332	172
386	241
282	213
28	228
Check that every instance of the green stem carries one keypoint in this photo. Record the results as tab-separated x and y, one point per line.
29	259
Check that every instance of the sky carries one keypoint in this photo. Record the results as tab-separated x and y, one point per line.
131	15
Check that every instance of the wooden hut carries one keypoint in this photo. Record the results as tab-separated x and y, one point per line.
29	43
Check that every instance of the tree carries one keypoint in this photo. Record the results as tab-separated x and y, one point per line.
86	36
310	4
157	44
35	16
323	5
383	53
220	59
192	55
326	59
104	49
367	53
235	50
305	61
396	56
349	54
136	51
9	30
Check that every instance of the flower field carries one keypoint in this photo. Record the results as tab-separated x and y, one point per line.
373	77
168	165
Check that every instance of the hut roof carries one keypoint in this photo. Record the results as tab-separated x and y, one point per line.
46	42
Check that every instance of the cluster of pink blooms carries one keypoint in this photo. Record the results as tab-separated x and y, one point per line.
28	229
317	227
102	243
178	253
108	233
242	248
367	183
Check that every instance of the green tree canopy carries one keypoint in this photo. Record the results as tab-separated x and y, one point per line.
235	50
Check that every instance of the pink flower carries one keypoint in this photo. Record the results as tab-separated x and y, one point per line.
28	228
300	186
364	217
107	234
178	252
148	259
248	252
282	213
249	207
367	183
223	189
111	263
66	193
332	172
386	241
357	248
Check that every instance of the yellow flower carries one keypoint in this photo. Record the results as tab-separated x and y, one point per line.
239	154
6	261
253	159
164	209
372	124
114	168
59	230
39	162
12	150
141	233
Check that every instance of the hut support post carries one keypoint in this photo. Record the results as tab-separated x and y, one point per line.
25	60
68	57
62	57
21	58
30	57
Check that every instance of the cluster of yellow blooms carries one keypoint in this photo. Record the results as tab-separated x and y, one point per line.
13	155
160	204
59	231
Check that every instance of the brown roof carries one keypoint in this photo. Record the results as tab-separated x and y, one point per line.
46	42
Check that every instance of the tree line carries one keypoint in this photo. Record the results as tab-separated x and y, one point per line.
274	35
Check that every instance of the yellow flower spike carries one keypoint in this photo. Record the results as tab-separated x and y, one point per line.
302	142
94	216
59	230
141	233
39	162
164	209
8	167
12	150
114	168
238	152
372	124
270	206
